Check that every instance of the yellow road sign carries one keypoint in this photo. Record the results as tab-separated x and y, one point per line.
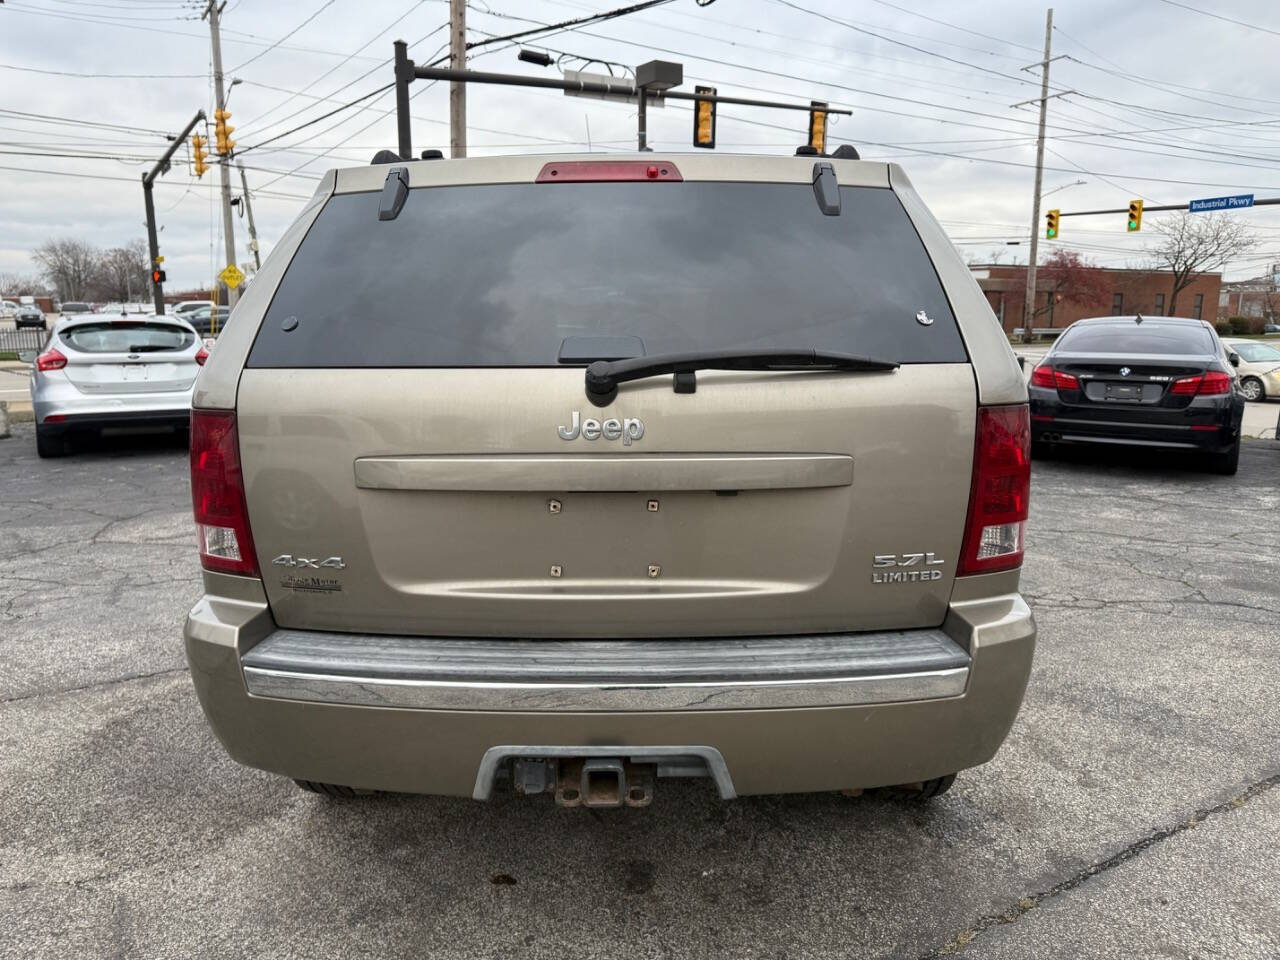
232	276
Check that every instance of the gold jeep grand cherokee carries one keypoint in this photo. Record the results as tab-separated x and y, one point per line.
566	475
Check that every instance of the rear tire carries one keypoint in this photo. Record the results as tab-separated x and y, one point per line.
1227	463
49	444
1252	389
919	792
332	790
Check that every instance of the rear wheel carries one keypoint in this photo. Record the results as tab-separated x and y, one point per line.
335	790
1227	463
918	792
1252	389
49	444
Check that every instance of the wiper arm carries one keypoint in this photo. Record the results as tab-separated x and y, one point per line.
603	376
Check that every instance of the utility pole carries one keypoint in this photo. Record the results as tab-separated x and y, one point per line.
148	182
228	235
248	208
458	89
1029	302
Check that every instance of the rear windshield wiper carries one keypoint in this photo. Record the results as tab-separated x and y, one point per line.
603	376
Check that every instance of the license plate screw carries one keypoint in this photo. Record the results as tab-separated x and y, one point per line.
653	506
654	571
554	506
556	570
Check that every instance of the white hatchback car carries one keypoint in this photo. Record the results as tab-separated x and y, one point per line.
122	372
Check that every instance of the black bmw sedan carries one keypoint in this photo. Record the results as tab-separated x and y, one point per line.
1158	382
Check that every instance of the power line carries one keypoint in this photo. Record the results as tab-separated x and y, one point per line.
262	53
323	116
1218	16
105	76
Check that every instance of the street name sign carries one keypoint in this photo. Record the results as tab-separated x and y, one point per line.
1221	203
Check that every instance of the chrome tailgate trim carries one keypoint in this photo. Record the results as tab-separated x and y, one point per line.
607	675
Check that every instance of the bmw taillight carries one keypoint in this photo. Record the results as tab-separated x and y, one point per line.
1213	383
51	359
217	494
1001	491
1046	376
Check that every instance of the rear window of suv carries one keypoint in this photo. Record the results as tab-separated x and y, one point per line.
501	275
127	337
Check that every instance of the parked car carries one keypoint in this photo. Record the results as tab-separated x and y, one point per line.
183	307
1270	328
103	372
1153	382
74	308
208	321
29	315
750	506
8	310
1258	368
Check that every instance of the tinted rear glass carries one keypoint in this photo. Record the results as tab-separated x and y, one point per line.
501	275
127	337
76	308
1132	338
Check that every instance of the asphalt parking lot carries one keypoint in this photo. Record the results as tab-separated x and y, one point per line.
1134	810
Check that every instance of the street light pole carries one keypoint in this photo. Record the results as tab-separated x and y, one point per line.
228	225
1029	300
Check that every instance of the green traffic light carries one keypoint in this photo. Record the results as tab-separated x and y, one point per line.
1051	233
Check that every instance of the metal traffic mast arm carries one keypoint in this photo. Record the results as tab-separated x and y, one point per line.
148	182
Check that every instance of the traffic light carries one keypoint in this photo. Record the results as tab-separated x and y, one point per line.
199	155
1051	224
222	132
1135	216
157	275
704	119
818	125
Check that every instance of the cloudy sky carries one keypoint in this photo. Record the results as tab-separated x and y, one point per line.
1167	102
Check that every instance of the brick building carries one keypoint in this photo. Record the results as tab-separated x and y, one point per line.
1129	291
1258	298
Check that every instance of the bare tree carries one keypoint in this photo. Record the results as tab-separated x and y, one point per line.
69	265
123	273
1191	244
1071	279
17	284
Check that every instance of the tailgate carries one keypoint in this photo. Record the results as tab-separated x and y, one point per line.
430	502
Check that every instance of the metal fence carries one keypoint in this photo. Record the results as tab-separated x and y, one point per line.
23	340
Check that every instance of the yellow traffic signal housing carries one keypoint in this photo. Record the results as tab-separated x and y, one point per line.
222	132
818	125
1135	216
1051	224
704	119
198	154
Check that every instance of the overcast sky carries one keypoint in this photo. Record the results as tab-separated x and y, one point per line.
932	88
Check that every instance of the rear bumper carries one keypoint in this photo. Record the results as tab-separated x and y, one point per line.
74	410
803	724
1208	424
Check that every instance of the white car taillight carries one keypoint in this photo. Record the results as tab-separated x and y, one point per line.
1000	495
217	494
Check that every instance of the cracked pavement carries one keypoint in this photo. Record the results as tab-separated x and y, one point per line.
1134	810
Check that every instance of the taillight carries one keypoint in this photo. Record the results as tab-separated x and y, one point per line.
1046	376
201	356
217	494
51	359
1001	491
603	171
1208	384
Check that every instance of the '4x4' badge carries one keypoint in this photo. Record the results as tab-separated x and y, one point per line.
309	563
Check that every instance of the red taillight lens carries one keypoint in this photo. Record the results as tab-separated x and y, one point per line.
602	171
51	359
1214	383
217	493
201	356
1206	385
1047	376
1001	491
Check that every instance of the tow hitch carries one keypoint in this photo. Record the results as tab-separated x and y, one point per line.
589	782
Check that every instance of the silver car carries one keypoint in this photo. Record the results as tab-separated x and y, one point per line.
117	372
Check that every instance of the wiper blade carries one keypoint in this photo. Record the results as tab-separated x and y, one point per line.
603	376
